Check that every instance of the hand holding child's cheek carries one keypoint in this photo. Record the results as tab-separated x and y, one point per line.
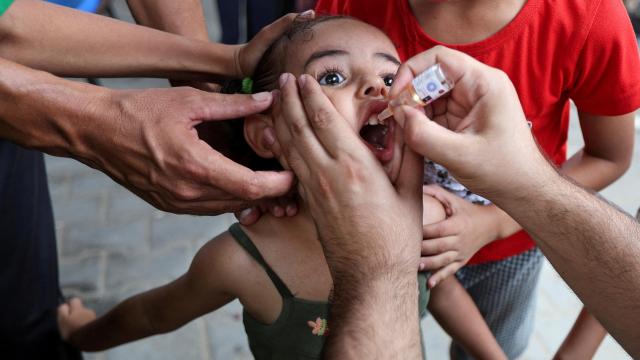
72	316
448	245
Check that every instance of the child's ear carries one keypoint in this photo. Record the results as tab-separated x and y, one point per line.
254	126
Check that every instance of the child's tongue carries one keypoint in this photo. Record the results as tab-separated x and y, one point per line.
375	135
378	139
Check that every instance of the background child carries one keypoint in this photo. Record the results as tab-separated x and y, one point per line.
276	268
553	52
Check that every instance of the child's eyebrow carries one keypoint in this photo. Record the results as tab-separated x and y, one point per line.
324	53
388	57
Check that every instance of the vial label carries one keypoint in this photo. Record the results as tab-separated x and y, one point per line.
431	84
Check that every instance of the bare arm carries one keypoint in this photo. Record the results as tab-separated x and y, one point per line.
604	158
459	316
209	284
73	43
143	139
184	17
594	246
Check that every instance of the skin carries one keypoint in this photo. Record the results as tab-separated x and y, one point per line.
156	153
605	157
487	125
337	175
591	244
583	340
186	18
211	283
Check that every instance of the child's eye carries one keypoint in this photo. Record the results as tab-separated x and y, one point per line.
388	80
331	79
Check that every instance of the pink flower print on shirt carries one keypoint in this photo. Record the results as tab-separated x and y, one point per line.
319	327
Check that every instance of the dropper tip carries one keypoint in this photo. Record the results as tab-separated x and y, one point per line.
386	113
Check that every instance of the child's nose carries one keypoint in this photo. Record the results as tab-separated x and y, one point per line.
374	87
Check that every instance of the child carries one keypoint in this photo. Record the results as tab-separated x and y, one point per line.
553	51
276	268
583	340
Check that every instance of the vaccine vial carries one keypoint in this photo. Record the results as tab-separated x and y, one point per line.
423	90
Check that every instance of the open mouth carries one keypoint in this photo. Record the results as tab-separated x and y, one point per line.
376	135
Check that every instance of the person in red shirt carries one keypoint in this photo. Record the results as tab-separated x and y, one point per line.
553	51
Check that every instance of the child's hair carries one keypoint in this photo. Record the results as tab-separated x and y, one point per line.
230	134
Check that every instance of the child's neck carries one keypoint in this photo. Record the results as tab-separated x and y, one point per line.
300	227
464	22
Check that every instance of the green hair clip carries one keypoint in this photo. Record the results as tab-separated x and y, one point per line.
247	86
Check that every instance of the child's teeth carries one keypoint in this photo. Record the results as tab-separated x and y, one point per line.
373	120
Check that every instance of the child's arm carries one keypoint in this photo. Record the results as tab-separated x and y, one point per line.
583	340
458	315
607	151
209	284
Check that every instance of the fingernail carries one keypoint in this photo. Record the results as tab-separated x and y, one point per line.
302	80
283	79
291	210
308	14
261	96
269	136
278	211
244	213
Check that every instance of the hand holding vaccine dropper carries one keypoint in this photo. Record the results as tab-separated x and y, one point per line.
423	90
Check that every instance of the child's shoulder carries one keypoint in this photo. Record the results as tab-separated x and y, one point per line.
223	260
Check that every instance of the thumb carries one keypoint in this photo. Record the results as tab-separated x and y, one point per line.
428	138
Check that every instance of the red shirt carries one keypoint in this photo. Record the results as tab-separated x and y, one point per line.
553	51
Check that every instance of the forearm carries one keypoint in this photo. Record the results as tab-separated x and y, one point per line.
75	44
125	323
589	243
41	111
375	319
607	151
593	172
184	17
458	315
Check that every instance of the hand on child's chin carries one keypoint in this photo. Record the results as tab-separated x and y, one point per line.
285	206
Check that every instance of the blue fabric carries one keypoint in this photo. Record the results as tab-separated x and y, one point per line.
29	270
505	293
82	5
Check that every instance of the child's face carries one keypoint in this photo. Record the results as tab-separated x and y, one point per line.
355	65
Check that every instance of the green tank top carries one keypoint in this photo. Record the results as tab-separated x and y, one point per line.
300	330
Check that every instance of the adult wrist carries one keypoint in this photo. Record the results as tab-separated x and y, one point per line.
528	188
49	113
217	60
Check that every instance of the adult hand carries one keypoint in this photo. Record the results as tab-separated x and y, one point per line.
153	149
247	56
370	231
337	176
479	132
450	243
